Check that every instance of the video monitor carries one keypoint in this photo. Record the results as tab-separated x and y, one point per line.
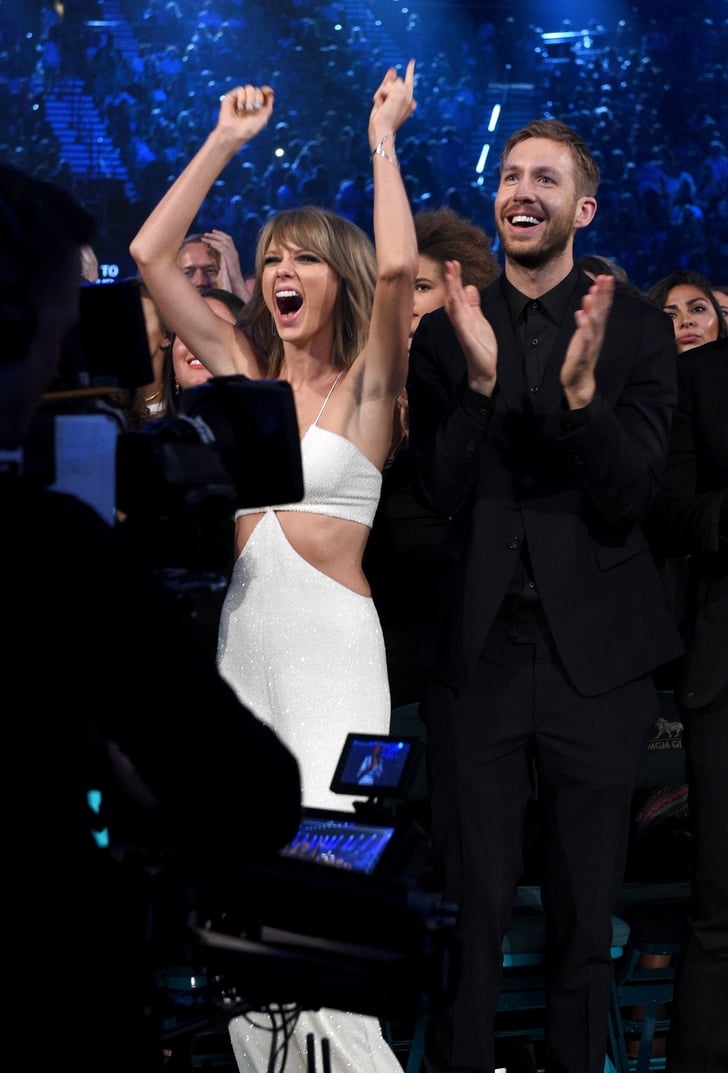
373	765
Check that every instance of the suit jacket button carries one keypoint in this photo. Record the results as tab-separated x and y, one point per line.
513	543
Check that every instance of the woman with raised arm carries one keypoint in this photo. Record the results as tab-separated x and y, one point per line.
300	640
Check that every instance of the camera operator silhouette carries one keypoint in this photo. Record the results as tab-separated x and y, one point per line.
177	759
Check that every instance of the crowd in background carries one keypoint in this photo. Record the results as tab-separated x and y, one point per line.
650	97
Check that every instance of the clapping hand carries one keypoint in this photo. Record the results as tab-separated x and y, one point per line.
577	372
475	335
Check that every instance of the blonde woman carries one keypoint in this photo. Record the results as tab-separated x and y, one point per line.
300	640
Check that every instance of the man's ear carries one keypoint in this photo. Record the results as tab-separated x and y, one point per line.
18	326
586	210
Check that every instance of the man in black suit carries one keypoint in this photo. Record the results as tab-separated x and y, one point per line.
540	413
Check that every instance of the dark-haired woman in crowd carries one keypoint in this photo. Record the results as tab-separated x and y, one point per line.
688	300
688	532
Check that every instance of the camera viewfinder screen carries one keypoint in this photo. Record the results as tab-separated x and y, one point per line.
372	766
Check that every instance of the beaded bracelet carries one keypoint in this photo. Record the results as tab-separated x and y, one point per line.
379	148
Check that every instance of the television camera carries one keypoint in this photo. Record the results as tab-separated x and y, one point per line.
175	481
345	917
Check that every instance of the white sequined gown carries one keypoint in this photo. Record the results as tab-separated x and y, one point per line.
306	654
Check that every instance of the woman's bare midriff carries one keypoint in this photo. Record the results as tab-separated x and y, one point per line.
332	545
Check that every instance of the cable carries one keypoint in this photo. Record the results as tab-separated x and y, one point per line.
283	1018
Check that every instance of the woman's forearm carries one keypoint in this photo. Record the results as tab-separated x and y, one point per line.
165	228
244	111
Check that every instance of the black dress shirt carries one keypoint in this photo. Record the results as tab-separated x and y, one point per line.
536	322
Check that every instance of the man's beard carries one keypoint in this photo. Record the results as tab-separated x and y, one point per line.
551	246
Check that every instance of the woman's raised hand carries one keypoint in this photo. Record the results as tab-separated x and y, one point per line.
393	102
245	110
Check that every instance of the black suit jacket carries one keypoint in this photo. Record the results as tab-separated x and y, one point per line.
690	518
574	485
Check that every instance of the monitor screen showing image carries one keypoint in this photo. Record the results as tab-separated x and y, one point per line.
373	766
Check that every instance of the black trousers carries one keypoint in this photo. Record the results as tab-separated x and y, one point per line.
517	728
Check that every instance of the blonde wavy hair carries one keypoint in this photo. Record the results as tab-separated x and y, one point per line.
347	250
